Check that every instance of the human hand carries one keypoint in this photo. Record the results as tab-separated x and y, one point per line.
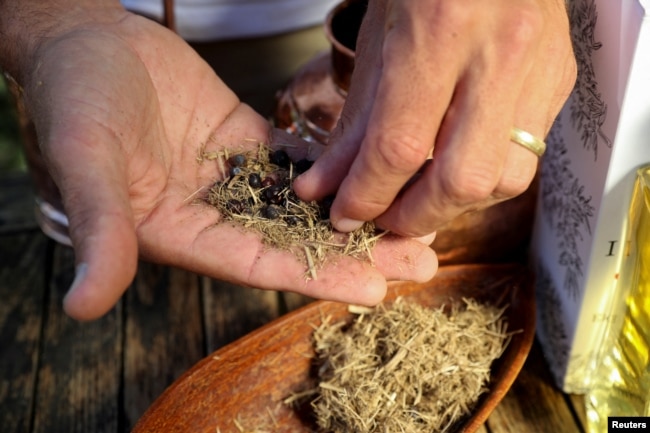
123	108
450	78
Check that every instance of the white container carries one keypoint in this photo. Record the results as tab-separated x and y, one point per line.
599	140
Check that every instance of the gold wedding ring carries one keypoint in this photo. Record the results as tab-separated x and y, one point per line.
528	140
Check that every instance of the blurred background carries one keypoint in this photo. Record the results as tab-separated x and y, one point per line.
11	154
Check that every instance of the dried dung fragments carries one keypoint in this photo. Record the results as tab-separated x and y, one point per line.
257	194
406	368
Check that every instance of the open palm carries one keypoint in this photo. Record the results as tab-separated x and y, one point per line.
123	109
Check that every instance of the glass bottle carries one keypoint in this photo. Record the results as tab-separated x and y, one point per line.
620	379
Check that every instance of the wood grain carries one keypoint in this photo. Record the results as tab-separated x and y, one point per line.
233	311
22	292
80	369
533	404
164	334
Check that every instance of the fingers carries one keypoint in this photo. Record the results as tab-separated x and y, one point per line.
349	280
340	278
411	101
474	162
456	96
333	165
377	147
359	282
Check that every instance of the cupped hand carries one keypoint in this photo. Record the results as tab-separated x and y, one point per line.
424	135
123	109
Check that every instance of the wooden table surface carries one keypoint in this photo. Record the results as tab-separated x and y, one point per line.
60	375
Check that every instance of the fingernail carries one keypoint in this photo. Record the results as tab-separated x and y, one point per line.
427	239
347	225
80	274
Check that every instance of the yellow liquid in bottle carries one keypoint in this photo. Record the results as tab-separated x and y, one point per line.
620	384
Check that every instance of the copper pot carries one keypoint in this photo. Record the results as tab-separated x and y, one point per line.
310	105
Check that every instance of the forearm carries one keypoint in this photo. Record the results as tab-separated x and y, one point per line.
26	25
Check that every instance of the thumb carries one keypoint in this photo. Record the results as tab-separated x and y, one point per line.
103	235
85	116
106	264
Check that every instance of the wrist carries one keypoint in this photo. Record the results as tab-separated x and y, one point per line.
26	25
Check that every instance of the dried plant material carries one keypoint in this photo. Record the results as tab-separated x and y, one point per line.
257	194
405	368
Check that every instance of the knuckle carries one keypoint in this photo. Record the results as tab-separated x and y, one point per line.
514	183
452	15
400	152
468	186
513	186
528	23
522	27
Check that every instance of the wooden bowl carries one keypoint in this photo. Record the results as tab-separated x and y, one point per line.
241	387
